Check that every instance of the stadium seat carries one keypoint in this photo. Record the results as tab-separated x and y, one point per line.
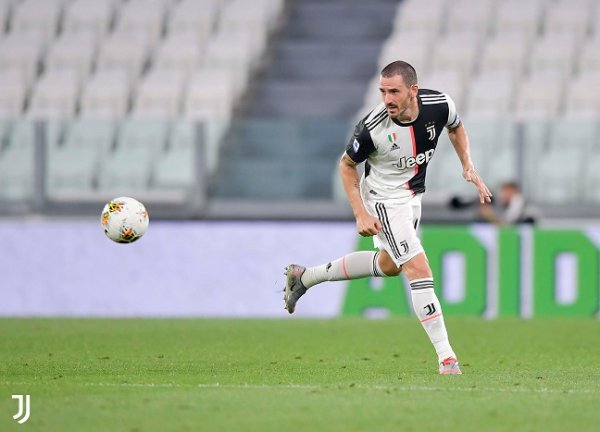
554	53
450	82
126	170
55	95
141	18
456	53
490	95
372	98
39	15
180	51
236	185
5	10
54	132
16	173
444	173
209	95
89	16
74	53
16	162
493	136
412	47
539	96
183	138
149	135
574	132
210	99
415	14
175	170
591	179
535	141
522	16
126	52
182	134
503	167
193	17
71	169
582	101
470	16
94	133
569	17
22	135
13	92
262	16
159	95
240	50
5	127
561	170
589	60
22	52
505	52
106	94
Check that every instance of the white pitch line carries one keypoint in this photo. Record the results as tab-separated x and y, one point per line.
401	388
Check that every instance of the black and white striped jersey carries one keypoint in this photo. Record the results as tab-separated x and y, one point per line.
397	154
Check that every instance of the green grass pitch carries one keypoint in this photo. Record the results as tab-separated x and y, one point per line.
299	375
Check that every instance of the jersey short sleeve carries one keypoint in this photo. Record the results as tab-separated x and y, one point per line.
453	117
360	145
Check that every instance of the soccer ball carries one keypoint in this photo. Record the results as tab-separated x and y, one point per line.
124	220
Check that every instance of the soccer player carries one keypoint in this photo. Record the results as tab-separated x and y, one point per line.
396	141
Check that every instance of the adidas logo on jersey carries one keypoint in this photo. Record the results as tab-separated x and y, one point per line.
419	159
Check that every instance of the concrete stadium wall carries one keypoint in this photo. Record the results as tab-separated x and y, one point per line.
235	269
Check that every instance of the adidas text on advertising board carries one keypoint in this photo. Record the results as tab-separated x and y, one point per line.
489	271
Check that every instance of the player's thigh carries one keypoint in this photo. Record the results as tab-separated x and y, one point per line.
398	236
387	265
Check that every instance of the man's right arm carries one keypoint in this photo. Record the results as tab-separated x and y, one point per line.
366	224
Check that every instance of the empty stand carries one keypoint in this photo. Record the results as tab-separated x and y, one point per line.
160	95
55	95
106	94
540	96
13	91
490	95
124	81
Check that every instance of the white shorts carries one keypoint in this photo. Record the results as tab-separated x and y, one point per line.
400	223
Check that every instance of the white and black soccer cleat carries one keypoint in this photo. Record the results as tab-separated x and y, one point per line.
294	288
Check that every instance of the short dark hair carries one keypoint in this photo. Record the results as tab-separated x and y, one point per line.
511	184
405	70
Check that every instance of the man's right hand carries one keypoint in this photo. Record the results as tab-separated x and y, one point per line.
367	225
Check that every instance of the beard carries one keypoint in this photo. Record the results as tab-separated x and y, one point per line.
400	109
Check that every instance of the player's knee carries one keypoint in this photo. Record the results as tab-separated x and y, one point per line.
417	267
387	265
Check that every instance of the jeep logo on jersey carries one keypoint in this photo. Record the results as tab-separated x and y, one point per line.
419	159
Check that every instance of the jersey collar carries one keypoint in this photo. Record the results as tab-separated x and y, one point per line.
406	124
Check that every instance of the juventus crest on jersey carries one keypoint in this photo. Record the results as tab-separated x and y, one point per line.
396	153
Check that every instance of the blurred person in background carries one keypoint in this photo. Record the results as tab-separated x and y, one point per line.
515	209
396	140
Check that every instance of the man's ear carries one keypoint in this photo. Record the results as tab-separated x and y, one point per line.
414	89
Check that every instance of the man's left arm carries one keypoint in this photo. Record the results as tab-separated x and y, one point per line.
460	141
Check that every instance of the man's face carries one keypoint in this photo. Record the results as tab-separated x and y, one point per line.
396	95
506	194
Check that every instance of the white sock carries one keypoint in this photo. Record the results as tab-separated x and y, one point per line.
428	310
352	266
